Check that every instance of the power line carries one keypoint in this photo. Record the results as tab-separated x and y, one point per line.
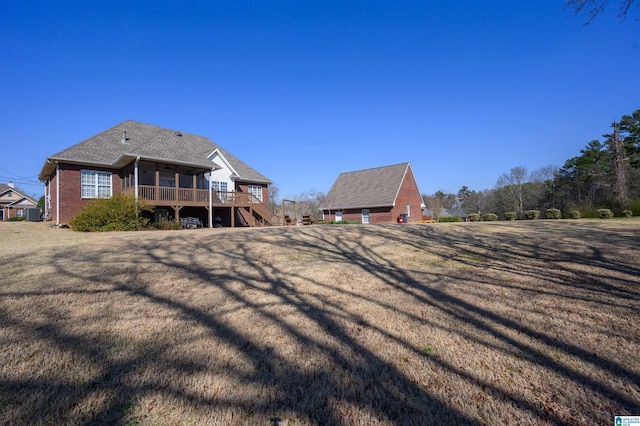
17	175
19	181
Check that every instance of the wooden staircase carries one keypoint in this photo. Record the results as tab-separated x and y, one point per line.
262	215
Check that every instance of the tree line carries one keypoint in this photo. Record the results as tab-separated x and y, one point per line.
606	174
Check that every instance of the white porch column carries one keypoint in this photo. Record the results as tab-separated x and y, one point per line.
210	199
135	178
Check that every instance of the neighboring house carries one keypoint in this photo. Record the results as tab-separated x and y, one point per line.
14	203
377	195
440	213
174	171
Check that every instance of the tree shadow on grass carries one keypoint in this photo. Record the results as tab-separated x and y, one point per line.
358	377
353	377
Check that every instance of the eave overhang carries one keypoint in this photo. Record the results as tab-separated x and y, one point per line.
377	206
123	160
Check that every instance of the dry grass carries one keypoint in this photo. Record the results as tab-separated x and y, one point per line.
480	323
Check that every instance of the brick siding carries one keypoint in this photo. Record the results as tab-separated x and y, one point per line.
71	201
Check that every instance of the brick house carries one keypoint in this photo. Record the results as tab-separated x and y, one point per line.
378	195
179	173
14	203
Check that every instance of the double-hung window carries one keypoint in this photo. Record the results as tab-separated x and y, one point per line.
256	190
365	215
95	184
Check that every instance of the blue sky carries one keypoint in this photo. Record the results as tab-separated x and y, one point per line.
304	90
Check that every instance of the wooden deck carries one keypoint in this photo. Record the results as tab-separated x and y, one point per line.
189	197
177	198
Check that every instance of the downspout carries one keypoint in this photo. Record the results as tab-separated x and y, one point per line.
57	193
210	199
46	187
135	183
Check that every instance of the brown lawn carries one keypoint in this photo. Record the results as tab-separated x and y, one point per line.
481	323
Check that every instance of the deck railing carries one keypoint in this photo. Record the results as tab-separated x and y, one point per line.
158	195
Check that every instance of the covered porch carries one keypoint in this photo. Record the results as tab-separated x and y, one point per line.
179	187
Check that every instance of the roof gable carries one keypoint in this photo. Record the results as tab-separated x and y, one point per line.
377	187
16	195
130	139
23	201
217	157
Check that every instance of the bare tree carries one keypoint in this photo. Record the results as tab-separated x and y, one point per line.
544	186
435	203
438	201
593	8
544	174
307	203
274	196
486	201
513	185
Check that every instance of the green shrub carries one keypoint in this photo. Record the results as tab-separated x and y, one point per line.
16	219
604	213
588	213
574	214
118	213
627	213
532	214
450	219
167	225
490	217
553	214
510	216
634	206
474	217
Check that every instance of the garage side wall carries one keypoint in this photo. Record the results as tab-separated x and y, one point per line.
408	194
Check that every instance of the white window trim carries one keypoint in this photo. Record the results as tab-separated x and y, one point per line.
367	216
256	190
221	186
94	175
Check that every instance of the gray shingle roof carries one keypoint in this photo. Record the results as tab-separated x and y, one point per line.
149	143
377	187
